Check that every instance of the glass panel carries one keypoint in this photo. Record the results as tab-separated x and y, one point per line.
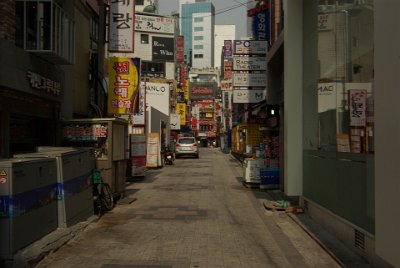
345	92
31	25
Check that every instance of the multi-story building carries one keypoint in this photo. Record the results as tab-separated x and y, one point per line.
197	26
44	70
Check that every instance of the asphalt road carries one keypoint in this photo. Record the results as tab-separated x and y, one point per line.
195	213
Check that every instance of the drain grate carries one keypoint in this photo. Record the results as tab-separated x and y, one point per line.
359	240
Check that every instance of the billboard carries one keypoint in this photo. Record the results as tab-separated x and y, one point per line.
248	96
163	48
157	96
250	47
121	26
201	91
248	63
154	24
249	79
123	74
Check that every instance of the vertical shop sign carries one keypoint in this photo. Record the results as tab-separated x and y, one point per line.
123	85
139	112
261	24
121	26
227	49
181	110
358	107
175	121
180	56
186	90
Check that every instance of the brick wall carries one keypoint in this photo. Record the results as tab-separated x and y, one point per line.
7	20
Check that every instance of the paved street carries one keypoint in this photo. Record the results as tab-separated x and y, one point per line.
195	213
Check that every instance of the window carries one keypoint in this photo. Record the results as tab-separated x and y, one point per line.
198	19
198	37
198	46
198	56
45	28
144	38
198	29
345	46
152	69
139	2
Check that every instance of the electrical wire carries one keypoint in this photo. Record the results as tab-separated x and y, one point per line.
223	10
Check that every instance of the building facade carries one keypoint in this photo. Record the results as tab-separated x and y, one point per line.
44	71
197	26
339	94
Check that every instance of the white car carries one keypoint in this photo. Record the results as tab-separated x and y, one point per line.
186	146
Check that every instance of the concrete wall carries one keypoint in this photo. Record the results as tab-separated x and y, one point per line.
387	137
293	109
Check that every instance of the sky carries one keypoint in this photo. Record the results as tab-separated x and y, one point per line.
237	15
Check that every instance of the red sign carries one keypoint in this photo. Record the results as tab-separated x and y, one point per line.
180	57
202	90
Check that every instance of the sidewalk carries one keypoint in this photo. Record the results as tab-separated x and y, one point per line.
201	216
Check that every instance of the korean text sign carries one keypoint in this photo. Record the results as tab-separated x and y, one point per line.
123	85
122	25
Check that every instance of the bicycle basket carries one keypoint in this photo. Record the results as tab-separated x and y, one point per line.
96	176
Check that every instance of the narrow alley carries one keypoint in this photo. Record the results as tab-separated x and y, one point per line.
195	213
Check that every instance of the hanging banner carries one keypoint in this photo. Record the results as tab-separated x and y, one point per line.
181	110
121	26
123	74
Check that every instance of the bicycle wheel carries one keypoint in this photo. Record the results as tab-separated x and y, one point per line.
106	196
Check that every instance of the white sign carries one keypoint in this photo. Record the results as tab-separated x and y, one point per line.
157	96
154	24
248	96
226	84
329	96
175	122
250	47
244	63
325	22
249	79
121	26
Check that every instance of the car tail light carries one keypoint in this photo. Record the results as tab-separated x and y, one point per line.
177	145
194	144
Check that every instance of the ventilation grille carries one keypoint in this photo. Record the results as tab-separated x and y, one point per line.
359	240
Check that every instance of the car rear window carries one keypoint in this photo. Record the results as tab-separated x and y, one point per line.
186	141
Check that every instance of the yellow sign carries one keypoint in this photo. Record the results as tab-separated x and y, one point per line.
123	85
181	110
186	90
3	172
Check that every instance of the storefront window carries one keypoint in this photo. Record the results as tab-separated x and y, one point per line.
345	34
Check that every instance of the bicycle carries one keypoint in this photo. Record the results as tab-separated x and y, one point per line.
103	199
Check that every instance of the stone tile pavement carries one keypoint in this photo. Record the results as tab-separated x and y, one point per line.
195	214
